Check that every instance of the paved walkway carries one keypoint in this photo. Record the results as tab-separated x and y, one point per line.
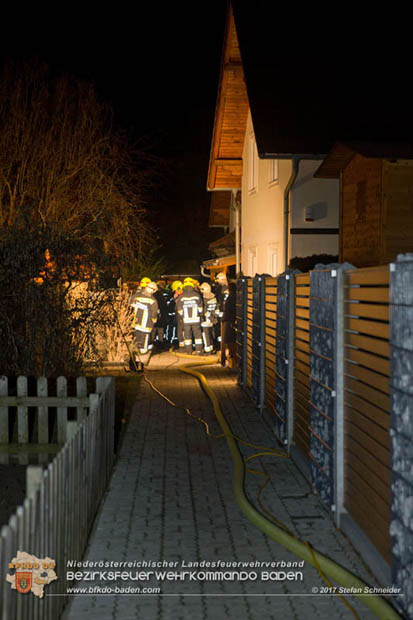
170	501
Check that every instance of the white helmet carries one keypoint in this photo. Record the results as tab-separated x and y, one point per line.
205	288
221	277
151	288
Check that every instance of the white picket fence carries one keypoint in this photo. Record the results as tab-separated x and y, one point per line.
56	519
43	402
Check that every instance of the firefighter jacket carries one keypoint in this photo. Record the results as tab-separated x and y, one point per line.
145	312
189	305
162	309
221	293
211	311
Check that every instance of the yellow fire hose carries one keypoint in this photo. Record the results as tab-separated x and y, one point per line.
279	533
378	605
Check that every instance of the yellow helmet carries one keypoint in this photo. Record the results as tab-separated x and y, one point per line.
144	282
176	284
189	282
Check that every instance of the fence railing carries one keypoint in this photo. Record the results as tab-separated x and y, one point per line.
349	423
16	428
55	520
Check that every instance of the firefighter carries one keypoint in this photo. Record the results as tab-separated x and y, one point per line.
161	323
221	289
221	293
228	323
144	318
141	286
177	338
170	317
210	320
190	307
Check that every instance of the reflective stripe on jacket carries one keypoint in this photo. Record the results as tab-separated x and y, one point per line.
145	312
189	305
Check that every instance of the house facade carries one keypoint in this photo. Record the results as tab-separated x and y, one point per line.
278	211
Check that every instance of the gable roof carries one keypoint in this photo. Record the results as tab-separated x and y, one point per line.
231	113
342	153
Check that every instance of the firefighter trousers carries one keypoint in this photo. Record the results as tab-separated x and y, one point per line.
192	331
208	337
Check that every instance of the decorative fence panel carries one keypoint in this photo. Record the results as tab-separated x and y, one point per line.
270	321
302	364
367	403
401	431
55	521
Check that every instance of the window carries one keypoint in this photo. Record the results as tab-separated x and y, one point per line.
272	258
273	173
252	164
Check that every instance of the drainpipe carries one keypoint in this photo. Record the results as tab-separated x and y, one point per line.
296	163
235	203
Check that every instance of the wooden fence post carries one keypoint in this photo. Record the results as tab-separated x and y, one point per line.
42	413
81	390
4	412
34	475
61	411
22	415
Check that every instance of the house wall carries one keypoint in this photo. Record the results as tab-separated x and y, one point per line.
322	198
361	217
262	244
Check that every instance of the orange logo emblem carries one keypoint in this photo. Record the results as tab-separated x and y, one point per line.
24	581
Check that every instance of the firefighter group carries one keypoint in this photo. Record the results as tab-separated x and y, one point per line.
185	316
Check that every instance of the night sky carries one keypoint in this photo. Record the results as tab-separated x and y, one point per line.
159	68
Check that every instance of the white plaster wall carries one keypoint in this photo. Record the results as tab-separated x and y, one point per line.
262	245
323	196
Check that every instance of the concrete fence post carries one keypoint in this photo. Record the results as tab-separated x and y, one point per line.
401	428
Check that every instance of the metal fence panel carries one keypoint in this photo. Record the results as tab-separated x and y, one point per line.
401	329
323	299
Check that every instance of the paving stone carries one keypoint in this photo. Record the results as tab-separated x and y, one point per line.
170	497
